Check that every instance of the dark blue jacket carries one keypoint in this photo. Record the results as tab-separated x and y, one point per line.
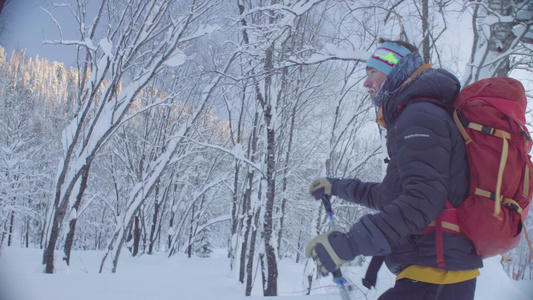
428	165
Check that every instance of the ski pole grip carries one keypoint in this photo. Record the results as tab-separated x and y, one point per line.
327	203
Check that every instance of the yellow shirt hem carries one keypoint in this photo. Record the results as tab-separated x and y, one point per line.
437	276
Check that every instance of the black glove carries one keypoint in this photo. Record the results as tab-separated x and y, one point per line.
330	251
320	187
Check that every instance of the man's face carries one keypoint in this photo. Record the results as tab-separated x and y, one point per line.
374	80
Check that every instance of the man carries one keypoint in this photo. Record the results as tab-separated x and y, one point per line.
427	174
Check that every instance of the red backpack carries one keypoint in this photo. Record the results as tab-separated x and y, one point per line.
490	114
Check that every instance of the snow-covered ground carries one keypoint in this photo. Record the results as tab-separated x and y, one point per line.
157	277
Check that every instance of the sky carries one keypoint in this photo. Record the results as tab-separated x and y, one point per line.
27	26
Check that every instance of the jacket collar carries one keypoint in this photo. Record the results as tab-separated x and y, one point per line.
381	118
423	83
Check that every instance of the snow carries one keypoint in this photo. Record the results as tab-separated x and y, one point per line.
209	29
331	51
177	59
178	277
107	46
238	152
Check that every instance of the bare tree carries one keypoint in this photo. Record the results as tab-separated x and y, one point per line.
3	4
146	38
502	31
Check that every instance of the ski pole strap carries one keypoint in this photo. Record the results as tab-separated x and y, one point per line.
371	275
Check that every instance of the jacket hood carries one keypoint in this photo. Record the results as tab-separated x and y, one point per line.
431	83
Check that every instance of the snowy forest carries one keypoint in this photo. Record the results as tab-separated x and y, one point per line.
193	125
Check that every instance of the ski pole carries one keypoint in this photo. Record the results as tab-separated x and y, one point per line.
337	274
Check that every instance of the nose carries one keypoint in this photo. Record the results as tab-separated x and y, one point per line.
367	83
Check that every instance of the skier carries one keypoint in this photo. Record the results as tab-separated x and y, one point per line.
427	172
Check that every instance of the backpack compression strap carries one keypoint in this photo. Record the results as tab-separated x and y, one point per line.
512	204
462	122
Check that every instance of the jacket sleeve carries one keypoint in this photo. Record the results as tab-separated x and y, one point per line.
353	190
423	150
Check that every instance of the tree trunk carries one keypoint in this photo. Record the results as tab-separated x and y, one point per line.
248	226
72	223
191	234
27	232
136	235
244	248
3	4
264	271
425	32
172	214
298	246
270	288
171	225
48	255
154	220
119	249
234	215
143	231
251	255
270	251
285	176
247	201
69	241
11	224
98	241
57	221
2	238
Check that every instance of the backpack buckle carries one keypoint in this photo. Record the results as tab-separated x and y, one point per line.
488	130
